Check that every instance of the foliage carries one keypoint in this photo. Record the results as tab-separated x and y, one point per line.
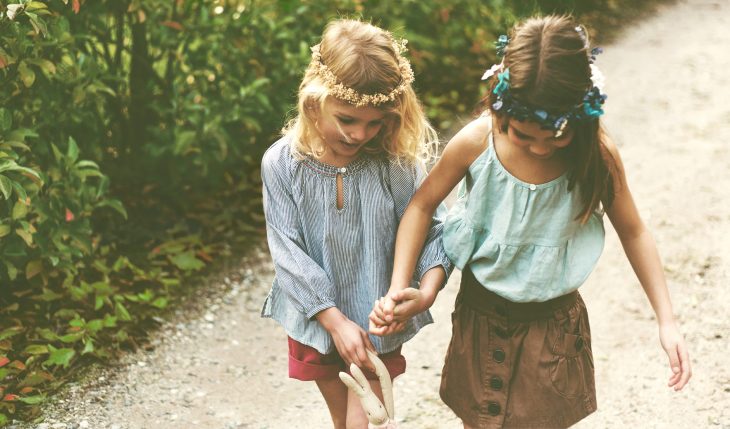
130	137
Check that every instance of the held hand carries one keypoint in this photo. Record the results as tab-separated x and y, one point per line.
676	350
409	302
350	339
378	325
351	342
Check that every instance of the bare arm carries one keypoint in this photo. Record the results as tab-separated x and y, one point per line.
458	155
643	256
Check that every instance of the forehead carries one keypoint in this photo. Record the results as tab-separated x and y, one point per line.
530	128
364	113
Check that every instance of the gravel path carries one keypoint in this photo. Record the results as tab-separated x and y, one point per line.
669	87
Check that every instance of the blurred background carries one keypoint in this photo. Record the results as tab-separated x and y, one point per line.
130	140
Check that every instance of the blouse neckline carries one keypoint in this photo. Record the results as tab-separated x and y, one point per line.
522	183
331	170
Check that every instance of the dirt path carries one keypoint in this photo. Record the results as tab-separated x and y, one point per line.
669	87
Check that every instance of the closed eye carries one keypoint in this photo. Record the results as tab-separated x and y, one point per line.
521	136
345	120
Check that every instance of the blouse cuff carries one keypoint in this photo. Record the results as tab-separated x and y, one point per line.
320	307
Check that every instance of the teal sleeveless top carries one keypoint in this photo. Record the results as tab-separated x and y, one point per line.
521	240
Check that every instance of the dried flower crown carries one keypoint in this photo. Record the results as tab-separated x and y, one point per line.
589	108
338	90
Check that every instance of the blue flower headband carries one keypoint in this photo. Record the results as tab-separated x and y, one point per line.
589	108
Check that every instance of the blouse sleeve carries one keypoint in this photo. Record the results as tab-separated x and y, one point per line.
302	279
404	180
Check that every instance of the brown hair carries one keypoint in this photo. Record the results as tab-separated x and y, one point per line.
363	57
548	60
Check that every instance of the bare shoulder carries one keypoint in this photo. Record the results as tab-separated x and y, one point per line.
470	141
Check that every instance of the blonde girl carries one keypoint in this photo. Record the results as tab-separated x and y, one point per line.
526	232
335	188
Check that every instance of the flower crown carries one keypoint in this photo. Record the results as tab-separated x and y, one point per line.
589	108
345	93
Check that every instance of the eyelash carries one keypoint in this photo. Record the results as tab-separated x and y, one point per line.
348	121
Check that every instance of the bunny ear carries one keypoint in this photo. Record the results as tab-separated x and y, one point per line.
352	384
386	384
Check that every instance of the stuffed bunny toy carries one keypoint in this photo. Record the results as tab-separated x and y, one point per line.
380	416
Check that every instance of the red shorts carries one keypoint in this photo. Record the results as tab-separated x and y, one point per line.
307	364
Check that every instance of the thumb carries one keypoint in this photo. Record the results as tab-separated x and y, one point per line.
388	306
408	294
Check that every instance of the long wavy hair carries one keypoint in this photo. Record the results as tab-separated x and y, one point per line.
363	58
548	60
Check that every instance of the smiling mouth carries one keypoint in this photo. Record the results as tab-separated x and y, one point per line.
350	145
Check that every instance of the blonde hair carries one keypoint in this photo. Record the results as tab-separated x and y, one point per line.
364	58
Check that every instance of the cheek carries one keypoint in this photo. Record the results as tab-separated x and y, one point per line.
517	141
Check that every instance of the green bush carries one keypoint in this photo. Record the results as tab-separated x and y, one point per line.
130	138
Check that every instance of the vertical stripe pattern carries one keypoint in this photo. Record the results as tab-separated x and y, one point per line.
326	257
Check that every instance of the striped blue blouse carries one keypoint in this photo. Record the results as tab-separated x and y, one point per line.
328	257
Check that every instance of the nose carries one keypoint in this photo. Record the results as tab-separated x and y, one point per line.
357	134
538	151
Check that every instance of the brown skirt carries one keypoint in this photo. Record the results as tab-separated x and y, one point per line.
518	365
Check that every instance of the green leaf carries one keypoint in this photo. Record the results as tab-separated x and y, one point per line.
47	334
11	332
36	349
35	378
38	24
60	356
33	269
88	347
73	150
4	230
87	164
6	119
25	235
19	210
6	187
45	65
121	312
32	400
160	302
48	295
187	261
26	74
116	205
95	325
71	338
12	271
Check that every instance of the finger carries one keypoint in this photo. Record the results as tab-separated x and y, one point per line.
378	310
388	307
368	344
377	319
686	367
378	330
673	363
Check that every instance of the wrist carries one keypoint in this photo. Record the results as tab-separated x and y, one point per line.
329	318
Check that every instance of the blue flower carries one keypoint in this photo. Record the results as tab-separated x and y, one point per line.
501	44
503	84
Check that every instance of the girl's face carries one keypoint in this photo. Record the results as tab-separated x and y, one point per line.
346	129
535	141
